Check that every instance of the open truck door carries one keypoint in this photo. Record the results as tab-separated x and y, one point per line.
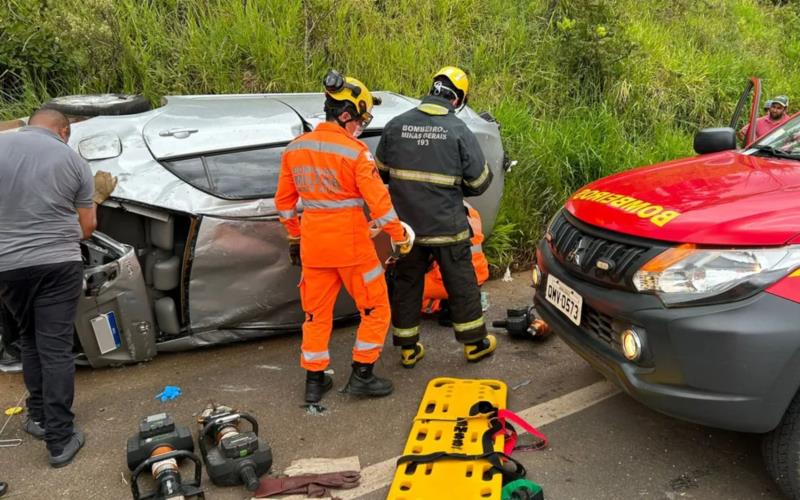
753	88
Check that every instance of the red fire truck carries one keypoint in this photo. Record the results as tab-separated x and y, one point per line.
680	282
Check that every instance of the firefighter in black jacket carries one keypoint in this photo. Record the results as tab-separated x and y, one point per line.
431	160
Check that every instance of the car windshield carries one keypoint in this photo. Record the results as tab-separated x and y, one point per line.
784	141
235	175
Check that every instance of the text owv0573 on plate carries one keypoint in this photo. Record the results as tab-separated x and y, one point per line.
566	300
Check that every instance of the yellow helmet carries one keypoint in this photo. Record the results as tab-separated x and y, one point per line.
457	77
340	88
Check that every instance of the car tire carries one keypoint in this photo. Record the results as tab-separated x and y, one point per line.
781	451
99	104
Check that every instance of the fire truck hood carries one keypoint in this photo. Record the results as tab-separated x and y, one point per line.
730	199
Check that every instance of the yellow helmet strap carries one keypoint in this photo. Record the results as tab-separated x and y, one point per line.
441	88
334	109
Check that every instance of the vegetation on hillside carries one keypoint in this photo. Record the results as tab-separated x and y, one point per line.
582	88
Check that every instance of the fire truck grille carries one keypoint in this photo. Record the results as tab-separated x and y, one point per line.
599	325
604	259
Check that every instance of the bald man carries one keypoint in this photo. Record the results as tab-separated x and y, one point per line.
48	202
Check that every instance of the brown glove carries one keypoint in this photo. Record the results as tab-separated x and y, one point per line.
104	184
312	485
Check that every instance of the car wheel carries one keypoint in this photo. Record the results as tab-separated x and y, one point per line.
99	104
781	450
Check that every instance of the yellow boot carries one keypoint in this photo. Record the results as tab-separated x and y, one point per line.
478	351
410	356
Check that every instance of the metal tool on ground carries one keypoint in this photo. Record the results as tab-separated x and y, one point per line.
158	447
232	456
522	323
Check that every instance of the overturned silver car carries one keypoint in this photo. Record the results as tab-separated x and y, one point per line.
189	251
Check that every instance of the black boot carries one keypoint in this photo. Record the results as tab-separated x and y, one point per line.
364	383
317	384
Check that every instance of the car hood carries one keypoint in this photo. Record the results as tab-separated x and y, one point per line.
728	198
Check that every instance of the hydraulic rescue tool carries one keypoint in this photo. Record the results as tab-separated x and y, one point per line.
232	456
523	323
158	447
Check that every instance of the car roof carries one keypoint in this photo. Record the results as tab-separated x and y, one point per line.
192	125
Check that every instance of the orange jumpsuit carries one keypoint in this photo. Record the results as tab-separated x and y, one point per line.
333	174
434	286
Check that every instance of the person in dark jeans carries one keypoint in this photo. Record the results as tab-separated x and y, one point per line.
10	358
48	203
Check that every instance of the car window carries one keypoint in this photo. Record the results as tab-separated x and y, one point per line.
785	138
371	140
236	175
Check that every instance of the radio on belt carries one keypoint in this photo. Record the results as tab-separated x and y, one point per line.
106	332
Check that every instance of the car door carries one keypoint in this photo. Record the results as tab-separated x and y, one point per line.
752	96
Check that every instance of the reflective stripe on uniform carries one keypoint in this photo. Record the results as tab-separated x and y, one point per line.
389	217
476	248
373	273
405	332
346	203
315	356
366	346
324	147
433	109
287	214
476	183
381	166
471	325
418	176
442	240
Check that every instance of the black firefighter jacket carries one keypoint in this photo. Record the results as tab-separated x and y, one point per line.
431	161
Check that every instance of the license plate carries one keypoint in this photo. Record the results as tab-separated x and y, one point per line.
566	300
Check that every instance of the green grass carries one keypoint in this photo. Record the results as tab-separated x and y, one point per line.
583	90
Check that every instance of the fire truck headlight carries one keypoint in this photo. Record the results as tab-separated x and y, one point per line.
687	275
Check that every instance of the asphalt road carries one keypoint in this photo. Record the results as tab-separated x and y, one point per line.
607	447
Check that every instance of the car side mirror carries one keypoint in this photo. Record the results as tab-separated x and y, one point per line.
712	140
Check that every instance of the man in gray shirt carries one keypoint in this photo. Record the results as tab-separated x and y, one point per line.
48	203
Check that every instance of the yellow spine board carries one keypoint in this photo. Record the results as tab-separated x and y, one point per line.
443	424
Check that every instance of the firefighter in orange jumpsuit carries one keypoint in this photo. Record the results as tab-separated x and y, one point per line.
434	296
334	175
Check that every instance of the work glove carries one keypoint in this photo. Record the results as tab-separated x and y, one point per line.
294	250
402	248
311	485
170	392
104	185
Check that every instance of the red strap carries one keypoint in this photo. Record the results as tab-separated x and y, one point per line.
511	434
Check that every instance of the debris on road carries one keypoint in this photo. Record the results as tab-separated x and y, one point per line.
314	409
170	392
521	384
322	465
13	410
269	367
